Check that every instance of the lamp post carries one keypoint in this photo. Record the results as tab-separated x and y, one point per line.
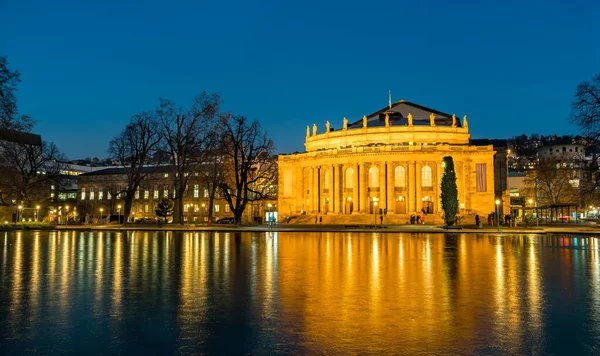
202	213
37	212
101	210
375	212
498	213
67	216
119	213
19	213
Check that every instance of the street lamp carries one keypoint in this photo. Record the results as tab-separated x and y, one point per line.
37	212
19	212
202	213
119	212
498	213
375	212
67	216
101	210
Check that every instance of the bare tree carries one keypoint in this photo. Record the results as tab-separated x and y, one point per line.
553	182
250	168
10	118
585	108
27	172
133	148
187	134
585	113
211	174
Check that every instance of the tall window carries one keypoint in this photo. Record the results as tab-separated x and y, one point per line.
326	179
146	194
156	192
206	193
426	179
91	193
374	177
400	177
216	208
137	193
349	178
166	192
82	193
100	194
480	177
196	190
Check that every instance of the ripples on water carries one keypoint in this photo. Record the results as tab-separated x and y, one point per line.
227	293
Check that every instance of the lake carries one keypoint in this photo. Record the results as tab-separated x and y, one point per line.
298	293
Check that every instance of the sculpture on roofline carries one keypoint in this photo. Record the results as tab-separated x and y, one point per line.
345	124
314	129
432	119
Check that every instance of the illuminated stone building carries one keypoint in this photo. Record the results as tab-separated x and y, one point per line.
389	160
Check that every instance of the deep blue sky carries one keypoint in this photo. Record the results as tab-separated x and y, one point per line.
511	66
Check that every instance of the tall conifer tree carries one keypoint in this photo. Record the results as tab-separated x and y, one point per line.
449	194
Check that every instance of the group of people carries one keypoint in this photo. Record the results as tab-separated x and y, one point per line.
507	220
418	218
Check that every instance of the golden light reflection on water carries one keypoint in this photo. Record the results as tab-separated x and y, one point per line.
339	292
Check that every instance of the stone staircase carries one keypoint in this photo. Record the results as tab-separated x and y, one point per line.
358	219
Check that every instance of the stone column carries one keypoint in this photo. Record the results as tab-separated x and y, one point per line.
439	173
389	189
411	187
382	185
418	203
310	189
317	191
355	195
335	185
364	191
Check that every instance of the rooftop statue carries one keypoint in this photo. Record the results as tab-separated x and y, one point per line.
327	126
314	129
387	120
465	123
307	131
432	119
365	121
345	124
409	116
453	120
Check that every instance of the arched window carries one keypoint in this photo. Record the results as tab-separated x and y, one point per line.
326	179
374	177
426	180
349	178
400	177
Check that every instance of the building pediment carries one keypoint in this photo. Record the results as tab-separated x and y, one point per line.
398	116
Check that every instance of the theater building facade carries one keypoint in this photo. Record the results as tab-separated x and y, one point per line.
389	160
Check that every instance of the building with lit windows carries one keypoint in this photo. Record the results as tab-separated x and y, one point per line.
99	196
389	162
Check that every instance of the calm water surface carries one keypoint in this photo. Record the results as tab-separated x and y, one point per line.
298	293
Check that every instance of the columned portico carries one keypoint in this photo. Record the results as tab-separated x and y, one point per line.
389	160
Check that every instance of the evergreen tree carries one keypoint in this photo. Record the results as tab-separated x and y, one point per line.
164	209
449	194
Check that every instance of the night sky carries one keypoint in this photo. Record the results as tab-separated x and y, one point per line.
510	66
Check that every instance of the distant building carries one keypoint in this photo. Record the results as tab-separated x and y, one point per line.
101	189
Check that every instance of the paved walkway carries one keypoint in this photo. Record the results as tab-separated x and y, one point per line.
565	229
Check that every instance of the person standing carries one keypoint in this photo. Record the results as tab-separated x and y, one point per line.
477	221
